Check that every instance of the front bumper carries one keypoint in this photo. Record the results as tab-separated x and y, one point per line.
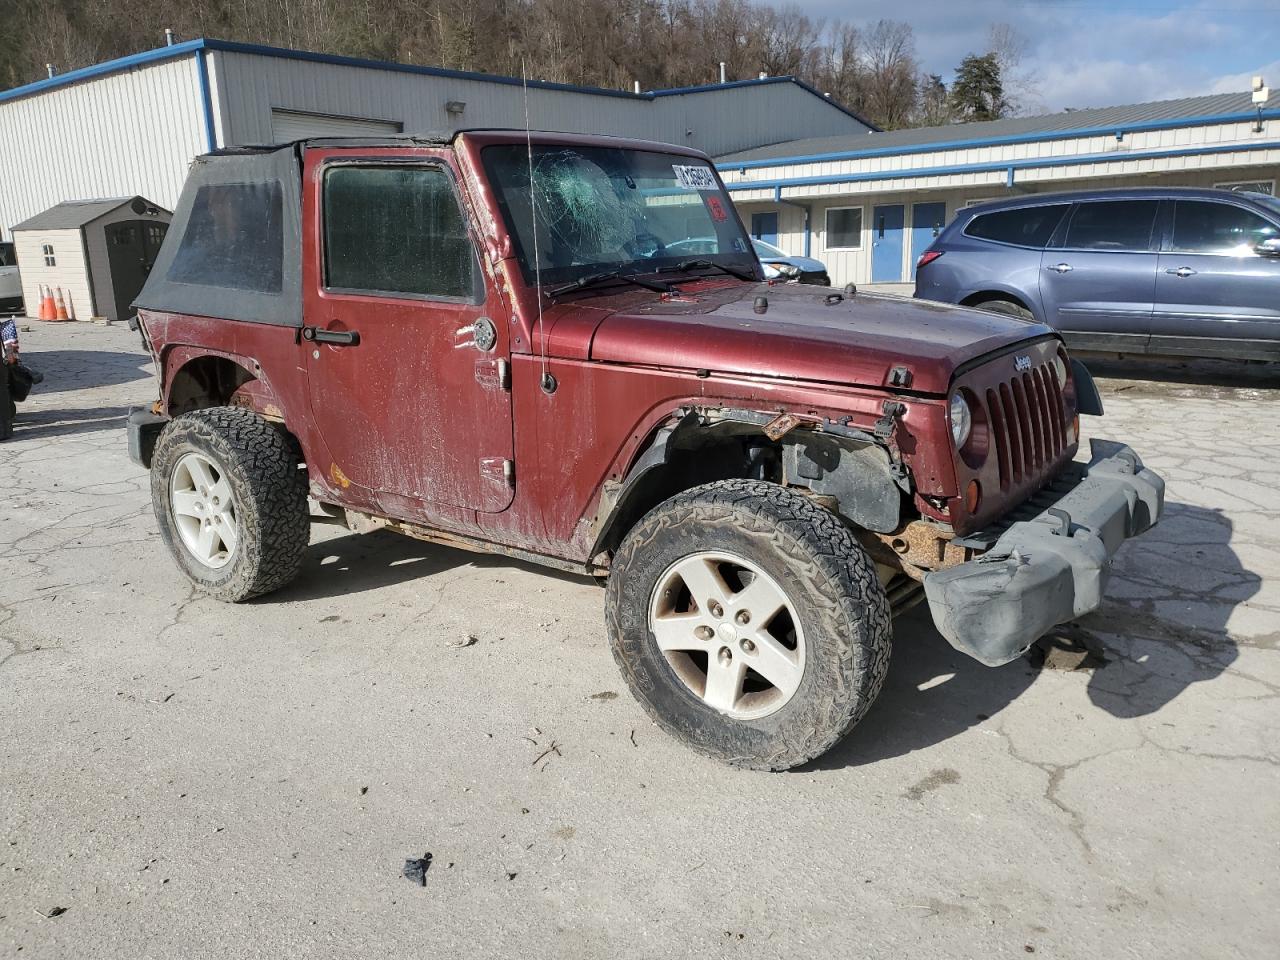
143	428
1051	568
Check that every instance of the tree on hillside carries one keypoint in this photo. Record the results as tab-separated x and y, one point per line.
978	93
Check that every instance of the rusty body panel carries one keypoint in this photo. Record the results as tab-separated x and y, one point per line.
418	424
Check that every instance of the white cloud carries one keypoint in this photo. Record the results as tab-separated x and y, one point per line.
1236	82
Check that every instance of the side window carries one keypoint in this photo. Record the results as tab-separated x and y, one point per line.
6	255
46	251
1112	225
1025	227
844	228
397	230
1207	227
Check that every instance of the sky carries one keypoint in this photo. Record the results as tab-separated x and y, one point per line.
1093	53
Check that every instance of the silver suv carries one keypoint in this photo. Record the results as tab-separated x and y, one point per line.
1157	271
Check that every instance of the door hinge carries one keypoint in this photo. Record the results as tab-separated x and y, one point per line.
499	472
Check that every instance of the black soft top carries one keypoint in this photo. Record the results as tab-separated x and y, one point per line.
234	247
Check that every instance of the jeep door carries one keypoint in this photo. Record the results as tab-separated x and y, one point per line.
1216	294
1098	279
405	338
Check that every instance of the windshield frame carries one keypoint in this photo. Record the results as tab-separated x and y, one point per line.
746	260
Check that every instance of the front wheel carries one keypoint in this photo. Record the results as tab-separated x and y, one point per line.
749	623
231	501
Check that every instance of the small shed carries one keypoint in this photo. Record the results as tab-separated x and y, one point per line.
98	252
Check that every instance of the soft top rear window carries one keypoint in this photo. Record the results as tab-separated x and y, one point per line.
234	238
1023	227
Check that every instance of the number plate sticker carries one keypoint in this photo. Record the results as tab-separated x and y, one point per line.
695	178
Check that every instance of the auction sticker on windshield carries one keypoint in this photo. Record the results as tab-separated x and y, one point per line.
695	178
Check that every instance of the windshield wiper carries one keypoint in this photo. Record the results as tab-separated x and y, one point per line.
700	264
591	279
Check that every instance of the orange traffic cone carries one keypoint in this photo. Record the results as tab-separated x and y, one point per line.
62	307
47	309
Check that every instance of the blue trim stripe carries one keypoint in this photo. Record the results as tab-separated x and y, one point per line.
206	101
911	173
1047	135
102	69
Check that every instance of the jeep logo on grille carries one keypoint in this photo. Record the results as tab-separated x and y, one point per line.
1022	364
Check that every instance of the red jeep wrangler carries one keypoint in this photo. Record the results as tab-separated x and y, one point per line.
562	349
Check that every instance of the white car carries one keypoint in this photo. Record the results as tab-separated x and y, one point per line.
10	282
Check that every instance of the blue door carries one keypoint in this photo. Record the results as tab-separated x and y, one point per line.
886	244
764	226
927	221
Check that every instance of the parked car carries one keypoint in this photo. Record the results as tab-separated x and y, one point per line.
764	474
1184	272
10	282
779	264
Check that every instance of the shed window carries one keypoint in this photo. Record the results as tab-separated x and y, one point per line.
397	230
234	238
46	251
844	228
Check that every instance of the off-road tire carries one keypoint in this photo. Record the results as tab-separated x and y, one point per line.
826	575
261	463
1007	308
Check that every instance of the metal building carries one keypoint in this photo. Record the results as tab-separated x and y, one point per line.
869	204
131	126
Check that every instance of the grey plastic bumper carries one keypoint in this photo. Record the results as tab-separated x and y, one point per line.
1050	569
143	428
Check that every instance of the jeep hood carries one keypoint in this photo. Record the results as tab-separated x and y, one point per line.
856	340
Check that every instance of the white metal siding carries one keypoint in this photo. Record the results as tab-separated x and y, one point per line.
118	135
69	271
249	87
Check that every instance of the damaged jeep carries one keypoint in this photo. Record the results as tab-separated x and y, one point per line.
500	342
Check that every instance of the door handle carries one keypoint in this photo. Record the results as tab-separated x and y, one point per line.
1181	272
339	338
1062	267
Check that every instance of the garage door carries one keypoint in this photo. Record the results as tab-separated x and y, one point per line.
288	125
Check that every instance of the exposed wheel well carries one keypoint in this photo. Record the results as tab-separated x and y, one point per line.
205	382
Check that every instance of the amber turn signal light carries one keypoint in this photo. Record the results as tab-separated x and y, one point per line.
972	496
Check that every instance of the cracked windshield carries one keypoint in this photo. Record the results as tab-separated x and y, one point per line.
602	209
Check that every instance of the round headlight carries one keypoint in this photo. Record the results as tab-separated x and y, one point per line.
961	419
1060	368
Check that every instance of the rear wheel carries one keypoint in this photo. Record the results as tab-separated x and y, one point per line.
749	623
231	501
1008	308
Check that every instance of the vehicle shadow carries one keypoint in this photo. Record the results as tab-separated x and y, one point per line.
1162	629
43	424
358	562
67	370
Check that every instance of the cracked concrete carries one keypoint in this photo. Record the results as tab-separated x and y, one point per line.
191	779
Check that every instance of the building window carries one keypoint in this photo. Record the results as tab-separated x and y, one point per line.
844	228
49	259
1249	186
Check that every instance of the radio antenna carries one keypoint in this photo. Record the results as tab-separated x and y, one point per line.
548	382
